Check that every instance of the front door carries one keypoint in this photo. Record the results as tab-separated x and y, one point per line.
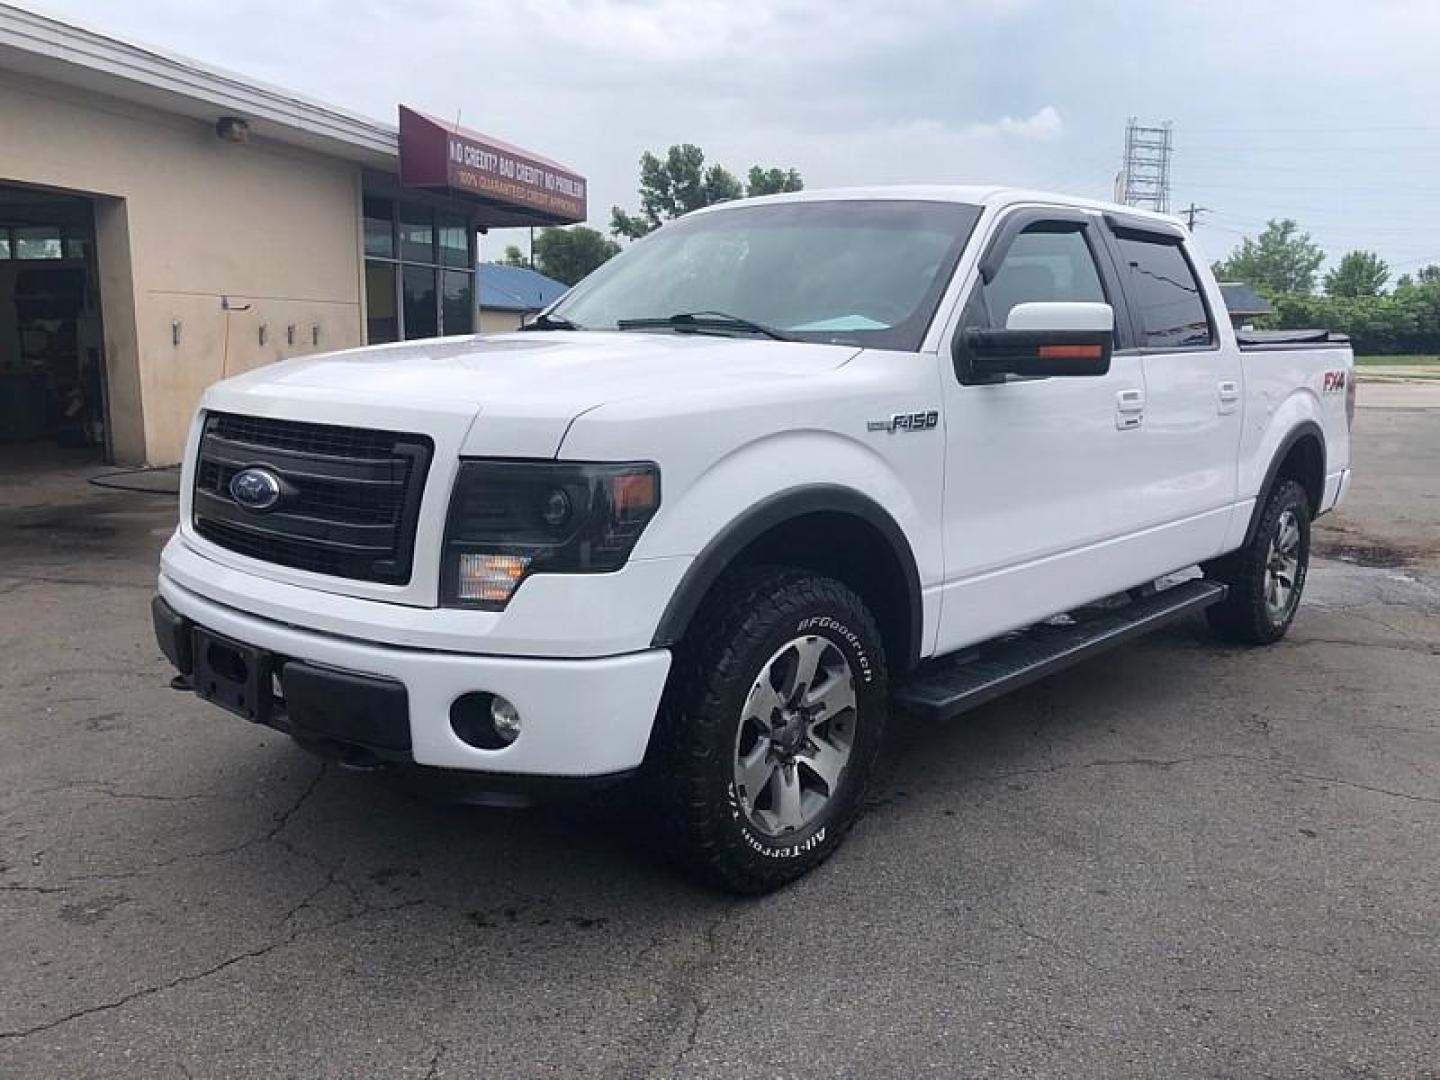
1044	478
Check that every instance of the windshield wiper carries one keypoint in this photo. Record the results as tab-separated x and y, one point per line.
703	320
550	322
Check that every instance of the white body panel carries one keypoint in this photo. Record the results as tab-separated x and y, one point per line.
1026	498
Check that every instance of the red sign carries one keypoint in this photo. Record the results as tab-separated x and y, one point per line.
435	155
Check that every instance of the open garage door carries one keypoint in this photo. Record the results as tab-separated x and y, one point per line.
52	364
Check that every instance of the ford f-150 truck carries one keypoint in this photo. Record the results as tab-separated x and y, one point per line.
783	466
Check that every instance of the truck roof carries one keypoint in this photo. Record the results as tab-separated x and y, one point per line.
991	195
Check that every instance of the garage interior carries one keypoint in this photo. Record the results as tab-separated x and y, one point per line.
52	365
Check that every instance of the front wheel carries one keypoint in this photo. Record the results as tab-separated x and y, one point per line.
1267	576
769	730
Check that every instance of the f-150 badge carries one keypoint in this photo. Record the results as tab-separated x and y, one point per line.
908	421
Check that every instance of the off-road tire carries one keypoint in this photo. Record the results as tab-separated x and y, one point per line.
690	766
1244	615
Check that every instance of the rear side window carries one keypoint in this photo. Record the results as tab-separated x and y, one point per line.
1041	265
1164	294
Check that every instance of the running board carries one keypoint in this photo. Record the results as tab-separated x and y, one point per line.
951	686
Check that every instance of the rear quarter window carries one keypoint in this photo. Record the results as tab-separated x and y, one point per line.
1164	293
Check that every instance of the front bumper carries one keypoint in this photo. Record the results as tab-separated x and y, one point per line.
581	718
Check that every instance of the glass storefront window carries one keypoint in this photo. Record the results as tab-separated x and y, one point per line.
421	313
38	242
382	323
4	244
417	234
454	244
457	303
419	271
379	227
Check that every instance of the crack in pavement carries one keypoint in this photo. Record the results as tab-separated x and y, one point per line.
1420	647
434	1069
21	580
214	969
42	889
683	985
108	787
286	816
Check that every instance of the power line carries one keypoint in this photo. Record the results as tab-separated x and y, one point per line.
1312	130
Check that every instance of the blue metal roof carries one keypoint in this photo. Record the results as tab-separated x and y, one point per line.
517	288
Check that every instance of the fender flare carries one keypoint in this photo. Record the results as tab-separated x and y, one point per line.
765	515
1304	429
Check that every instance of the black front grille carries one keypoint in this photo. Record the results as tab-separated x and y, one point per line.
350	501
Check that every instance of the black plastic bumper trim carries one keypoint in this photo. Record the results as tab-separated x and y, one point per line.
172	634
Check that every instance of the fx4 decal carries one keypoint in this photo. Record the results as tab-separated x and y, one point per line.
1334	381
913	421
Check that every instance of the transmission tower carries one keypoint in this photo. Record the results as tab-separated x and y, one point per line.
1145	175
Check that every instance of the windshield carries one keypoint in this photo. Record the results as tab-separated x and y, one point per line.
867	273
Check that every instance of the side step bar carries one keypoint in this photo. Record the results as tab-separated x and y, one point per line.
951	686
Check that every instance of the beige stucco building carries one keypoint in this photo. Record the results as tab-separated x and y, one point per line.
164	224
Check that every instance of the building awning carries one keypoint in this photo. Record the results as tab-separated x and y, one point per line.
508	186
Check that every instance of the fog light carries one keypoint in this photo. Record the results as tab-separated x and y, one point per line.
484	721
505	718
490	578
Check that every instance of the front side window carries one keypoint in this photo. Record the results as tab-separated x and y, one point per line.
1047	262
1164	294
855	272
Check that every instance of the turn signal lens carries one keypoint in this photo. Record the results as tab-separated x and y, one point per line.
635	495
489	578
1070	352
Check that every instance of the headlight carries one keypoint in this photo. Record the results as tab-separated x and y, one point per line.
511	519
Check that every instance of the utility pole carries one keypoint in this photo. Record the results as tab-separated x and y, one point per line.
1190	212
1145	175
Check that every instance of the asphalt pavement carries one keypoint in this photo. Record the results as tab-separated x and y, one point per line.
1181	859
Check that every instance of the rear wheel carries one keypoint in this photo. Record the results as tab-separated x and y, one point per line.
769	729
1266	577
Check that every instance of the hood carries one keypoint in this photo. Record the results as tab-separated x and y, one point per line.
527	387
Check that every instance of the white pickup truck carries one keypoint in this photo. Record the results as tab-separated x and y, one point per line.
781	467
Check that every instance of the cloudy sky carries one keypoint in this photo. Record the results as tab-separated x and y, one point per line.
1321	110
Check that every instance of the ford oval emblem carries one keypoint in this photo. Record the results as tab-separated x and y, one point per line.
256	489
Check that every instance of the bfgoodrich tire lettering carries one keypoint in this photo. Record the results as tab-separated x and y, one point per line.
768	733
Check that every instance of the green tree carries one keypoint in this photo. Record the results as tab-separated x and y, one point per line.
1281	260
1428	275
514	257
682	182
1360	273
772	181
570	254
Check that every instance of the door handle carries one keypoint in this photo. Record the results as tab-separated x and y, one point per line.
1129	409
1229	396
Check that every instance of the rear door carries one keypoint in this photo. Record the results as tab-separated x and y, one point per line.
1190	428
1044	477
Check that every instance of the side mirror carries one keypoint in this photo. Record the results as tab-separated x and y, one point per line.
1040	340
